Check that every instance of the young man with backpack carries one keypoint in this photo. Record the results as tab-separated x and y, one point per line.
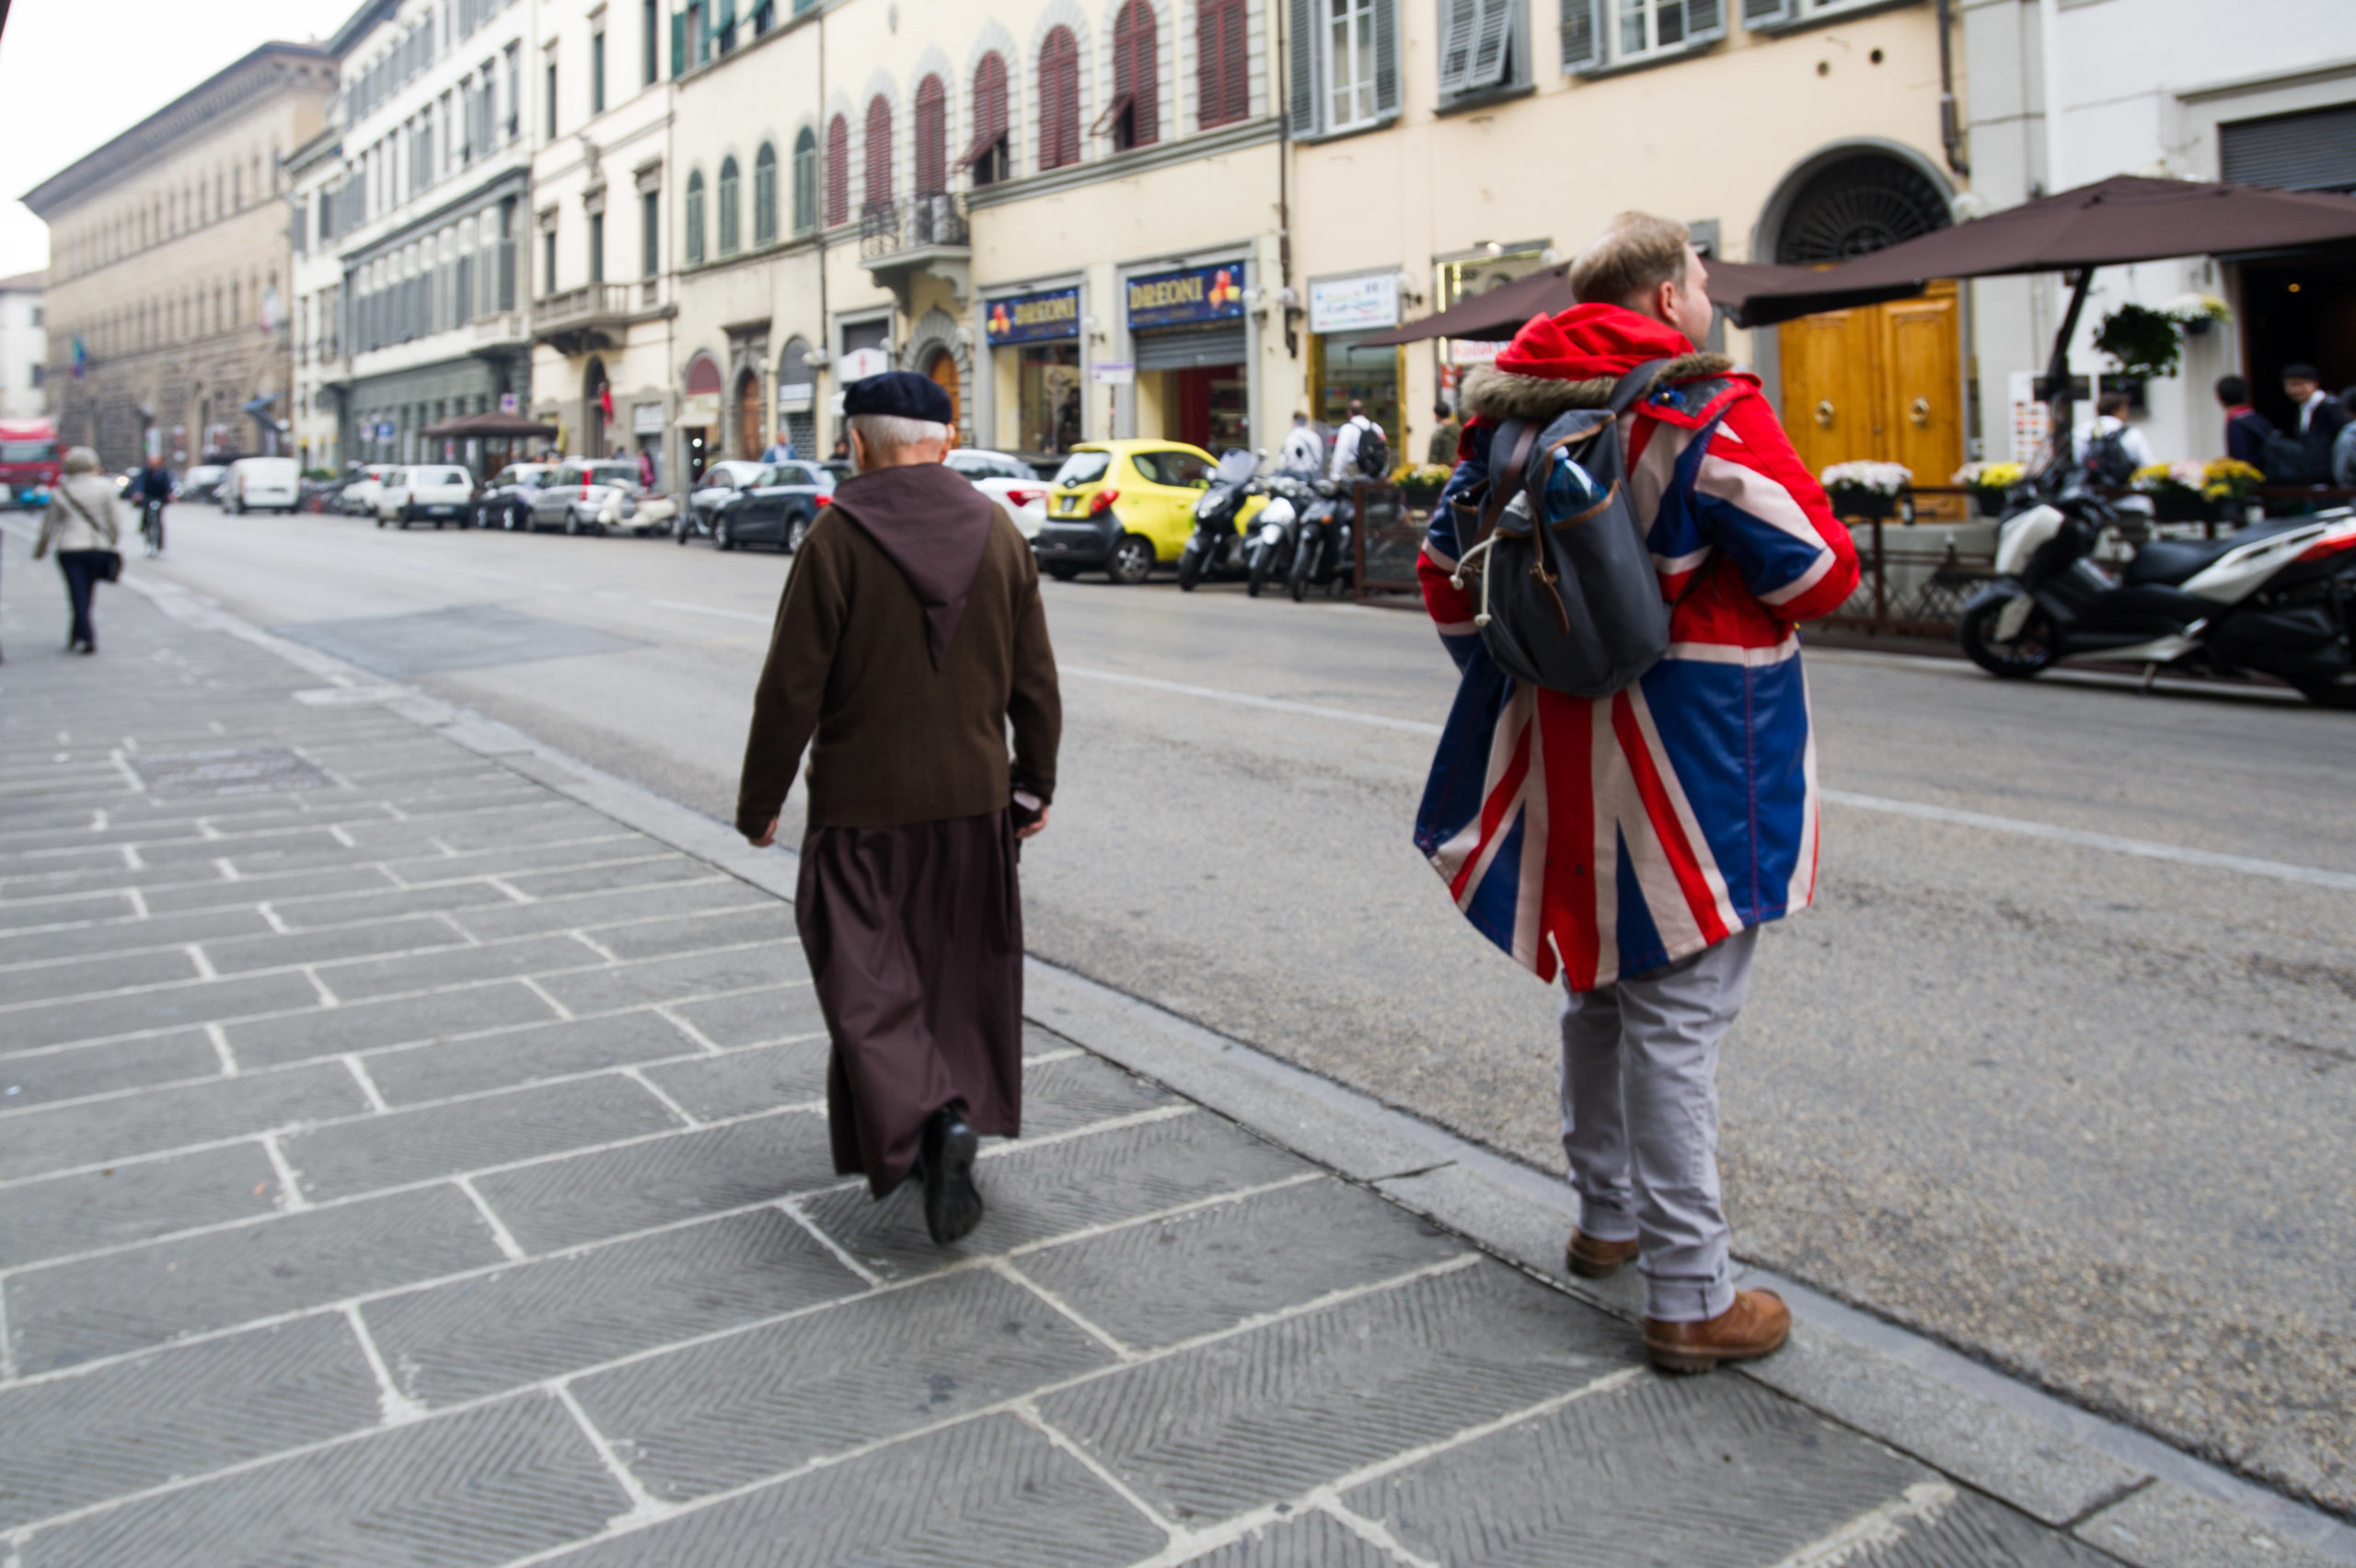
1632	843
1359	450
2111	450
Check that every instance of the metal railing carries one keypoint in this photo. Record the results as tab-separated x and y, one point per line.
914	223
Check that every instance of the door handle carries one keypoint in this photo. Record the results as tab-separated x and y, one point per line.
1921	409
1824	413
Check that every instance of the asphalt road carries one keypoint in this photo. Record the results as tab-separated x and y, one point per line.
2081	1108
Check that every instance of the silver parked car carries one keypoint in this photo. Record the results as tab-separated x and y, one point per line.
589	496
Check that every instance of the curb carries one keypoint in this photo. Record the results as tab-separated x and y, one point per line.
2120	1490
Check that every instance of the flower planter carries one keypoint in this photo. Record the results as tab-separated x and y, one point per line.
2179	506
1863	503
1987	502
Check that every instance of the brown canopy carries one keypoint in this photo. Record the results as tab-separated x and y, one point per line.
488	427
1500	312
2111	222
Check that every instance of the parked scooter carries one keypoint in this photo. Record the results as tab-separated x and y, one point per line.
2278	598
1216	546
1326	556
1276	532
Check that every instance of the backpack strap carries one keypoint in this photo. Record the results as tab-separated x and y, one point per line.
1517	437
1633	386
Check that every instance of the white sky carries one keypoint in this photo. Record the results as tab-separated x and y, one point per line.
74	73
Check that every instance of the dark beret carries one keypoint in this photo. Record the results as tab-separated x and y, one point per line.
900	392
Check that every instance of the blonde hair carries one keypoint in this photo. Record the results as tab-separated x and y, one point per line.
1635	255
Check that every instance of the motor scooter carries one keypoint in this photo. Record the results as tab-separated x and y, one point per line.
1325	555
1275	534
2277	598
1215	546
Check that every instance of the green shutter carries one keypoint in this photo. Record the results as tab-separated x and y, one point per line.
1386	56
678	44
1301	70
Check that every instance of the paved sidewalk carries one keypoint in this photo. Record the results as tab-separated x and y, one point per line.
403	1162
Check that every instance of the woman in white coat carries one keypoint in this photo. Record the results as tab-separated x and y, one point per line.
83	524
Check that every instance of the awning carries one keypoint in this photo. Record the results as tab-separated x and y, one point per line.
488	427
1734	285
258	405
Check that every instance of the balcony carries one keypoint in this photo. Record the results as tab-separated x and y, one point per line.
505	330
899	240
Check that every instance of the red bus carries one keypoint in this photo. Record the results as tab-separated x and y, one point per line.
29	463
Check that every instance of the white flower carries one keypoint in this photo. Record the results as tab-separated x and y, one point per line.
1882	478
2196	307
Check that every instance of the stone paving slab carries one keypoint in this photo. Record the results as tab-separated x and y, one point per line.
469	1202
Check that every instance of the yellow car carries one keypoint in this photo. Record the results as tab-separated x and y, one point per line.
1124	507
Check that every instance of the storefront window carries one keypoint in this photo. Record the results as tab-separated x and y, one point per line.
1048	397
1035	339
1342	367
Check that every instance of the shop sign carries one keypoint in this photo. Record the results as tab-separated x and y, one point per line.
646	419
1355	304
1032	317
1472	351
860	363
1185	298
1113	373
700	408
796	398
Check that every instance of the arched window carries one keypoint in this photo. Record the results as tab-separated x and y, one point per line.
837	172
1134	117
986	154
932	137
731	238
805	181
1224	89
765	195
695	218
878	190
1058	100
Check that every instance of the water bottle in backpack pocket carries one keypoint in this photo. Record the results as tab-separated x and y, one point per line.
1569	597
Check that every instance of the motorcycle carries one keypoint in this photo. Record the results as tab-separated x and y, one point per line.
1327	555
2277	598
1275	531
1216	543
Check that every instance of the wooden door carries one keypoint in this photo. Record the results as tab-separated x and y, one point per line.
1881	383
1829	386
943	371
750	439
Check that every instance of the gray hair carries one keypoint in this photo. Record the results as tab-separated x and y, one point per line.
81	460
885	434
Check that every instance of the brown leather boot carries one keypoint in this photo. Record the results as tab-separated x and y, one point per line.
1756	1325
1591	1259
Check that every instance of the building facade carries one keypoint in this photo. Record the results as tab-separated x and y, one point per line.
426	214
603	257
2179	88
24	348
170	264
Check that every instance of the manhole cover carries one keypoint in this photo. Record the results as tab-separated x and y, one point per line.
252	772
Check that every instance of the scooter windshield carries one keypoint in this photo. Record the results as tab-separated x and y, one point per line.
1235	467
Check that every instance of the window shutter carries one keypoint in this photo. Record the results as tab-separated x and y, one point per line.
1301	69
1386	56
678	44
1492	44
1223	84
1705	20
1460	26
879	152
1766	12
1582	34
1145	79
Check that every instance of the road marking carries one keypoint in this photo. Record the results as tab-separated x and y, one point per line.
2313	876
2280	871
711	610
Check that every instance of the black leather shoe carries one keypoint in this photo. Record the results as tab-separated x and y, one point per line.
953	1205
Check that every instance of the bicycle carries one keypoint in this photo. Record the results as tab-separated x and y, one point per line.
151	526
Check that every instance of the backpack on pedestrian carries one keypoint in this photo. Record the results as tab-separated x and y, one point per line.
1374	452
2107	459
1569	598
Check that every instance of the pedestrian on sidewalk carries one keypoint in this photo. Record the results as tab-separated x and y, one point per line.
84	525
1633	843
910	635
1442	454
2246	430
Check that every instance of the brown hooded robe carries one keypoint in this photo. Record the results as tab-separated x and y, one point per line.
909	637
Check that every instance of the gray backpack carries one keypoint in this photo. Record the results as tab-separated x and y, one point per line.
1571	603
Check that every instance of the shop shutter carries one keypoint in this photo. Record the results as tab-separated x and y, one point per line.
1767	13
1190	347
1582	34
1705	20
2314	151
1222	41
1386	56
1300	68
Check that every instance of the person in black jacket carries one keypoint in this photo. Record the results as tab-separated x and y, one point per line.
2245	428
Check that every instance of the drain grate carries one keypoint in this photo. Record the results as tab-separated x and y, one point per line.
177	775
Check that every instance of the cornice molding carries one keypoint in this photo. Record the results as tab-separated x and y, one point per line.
270	71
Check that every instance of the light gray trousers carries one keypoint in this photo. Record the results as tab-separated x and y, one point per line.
1640	1120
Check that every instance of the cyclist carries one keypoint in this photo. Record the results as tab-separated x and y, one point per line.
151	488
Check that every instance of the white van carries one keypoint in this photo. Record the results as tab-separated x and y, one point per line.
261	484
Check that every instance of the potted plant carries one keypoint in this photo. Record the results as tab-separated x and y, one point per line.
1866	489
2229	483
2175	489
1422	481
2140	342
1988	483
2194	314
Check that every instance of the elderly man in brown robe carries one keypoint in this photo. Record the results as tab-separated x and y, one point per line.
909	639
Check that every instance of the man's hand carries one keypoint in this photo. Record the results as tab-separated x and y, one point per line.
1035	828
768	838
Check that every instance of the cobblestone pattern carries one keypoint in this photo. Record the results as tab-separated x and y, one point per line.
419	1167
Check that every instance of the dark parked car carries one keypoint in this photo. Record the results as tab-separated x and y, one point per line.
773	503
506	502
